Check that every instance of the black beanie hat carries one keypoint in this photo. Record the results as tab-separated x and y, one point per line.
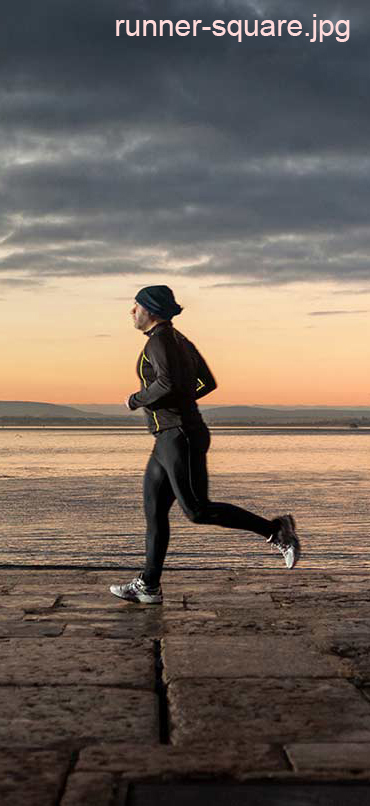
158	300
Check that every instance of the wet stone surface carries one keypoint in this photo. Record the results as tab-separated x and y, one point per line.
31	777
248	676
28	602
64	661
22	629
46	714
254	656
268	710
132	625
330	756
91	787
211	601
352	641
132	762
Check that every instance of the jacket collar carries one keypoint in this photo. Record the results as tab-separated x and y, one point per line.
157	327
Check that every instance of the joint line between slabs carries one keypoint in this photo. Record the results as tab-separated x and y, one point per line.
72	764
161	691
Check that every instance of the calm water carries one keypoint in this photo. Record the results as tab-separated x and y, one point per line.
73	497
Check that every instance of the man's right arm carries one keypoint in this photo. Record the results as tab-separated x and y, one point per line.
161	360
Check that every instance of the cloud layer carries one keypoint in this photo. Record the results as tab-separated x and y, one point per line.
201	156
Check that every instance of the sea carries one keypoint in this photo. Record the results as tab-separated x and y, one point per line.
71	497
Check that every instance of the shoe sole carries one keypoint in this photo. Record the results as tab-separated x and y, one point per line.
135	599
296	557
289	530
297	547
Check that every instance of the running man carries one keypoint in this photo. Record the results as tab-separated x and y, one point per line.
173	376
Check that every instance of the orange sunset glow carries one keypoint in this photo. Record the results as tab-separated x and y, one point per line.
271	346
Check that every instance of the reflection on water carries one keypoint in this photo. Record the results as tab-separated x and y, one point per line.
73	497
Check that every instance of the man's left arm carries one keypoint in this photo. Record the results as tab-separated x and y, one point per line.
206	382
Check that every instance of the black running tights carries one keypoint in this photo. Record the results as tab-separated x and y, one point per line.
177	468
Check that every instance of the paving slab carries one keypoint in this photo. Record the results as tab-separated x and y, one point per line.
215	577
278	582
20	579
25	629
351	580
62	582
90	601
325	612
210	600
366	692
308	582
266	619
78	615
29	575
130	625
346	587
31	777
267	710
164	762
6	588
330	756
86	788
274	663
342	630
352	576
351	641
118	615
78	661
62	588
40	716
152	622
8	613
253	656
182	616
190	622
331	599
29	603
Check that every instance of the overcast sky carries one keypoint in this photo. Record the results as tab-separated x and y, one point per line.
203	159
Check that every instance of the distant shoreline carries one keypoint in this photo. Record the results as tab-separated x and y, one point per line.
126	422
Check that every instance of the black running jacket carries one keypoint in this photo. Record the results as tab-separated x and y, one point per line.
173	377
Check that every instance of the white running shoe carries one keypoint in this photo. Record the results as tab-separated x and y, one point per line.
138	591
285	540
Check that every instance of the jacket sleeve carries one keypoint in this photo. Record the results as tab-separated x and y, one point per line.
205	381
160	357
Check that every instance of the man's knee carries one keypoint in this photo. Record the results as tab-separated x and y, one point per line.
196	515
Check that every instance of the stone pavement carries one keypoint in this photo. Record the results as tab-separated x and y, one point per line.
244	688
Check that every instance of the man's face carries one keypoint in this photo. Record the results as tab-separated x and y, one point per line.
141	317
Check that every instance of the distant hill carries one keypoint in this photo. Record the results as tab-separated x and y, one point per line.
258	415
118	409
10	408
103	409
115	414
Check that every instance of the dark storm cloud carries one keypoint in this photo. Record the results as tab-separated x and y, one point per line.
202	155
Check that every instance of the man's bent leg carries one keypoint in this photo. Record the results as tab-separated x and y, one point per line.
183	454
158	499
